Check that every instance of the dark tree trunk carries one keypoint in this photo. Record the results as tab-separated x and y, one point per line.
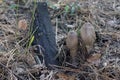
44	34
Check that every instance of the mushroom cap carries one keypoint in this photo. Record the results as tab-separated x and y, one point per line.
72	40
87	33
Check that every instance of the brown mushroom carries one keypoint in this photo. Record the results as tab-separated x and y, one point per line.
22	24
72	44
88	35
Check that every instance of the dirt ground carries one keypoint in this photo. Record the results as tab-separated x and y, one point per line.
17	61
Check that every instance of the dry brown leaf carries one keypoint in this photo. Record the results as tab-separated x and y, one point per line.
94	57
72	77
22	24
62	76
65	77
88	35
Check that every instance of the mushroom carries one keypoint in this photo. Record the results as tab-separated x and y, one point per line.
87	33
72	44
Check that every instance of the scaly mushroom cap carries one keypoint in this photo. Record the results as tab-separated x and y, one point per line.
87	33
72	40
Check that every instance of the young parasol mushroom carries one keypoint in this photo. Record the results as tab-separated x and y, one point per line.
87	33
72	44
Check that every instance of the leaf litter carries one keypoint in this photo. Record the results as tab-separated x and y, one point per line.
17	61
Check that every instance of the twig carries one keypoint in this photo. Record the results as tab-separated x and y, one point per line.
10	71
67	68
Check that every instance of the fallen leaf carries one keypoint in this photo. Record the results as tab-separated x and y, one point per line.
94	57
65	76
22	24
62	76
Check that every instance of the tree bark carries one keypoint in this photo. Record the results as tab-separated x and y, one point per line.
44	34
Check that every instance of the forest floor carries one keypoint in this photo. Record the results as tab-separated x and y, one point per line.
17	61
